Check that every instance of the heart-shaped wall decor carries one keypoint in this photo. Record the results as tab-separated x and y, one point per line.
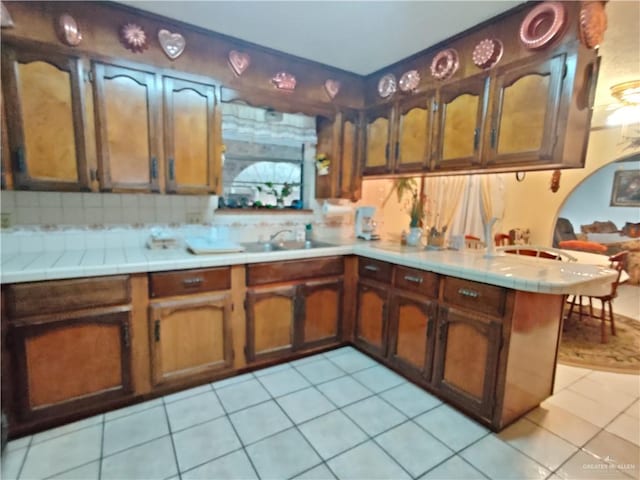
239	61
332	87
172	43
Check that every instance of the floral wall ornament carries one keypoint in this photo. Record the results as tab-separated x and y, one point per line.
409	81
445	64
322	164
173	44
284	81
5	18
332	87
487	53
133	37
387	85
593	23
68	30
543	24
239	62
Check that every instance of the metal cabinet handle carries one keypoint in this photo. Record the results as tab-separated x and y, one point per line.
156	330
386	152
371	268
125	334
493	137
411	278
467	292
397	150
154	167
476	138
192	282
20	164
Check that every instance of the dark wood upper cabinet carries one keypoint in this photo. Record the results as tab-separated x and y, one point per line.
189	136
459	123
412	151
525	122
127	128
45	119
378	152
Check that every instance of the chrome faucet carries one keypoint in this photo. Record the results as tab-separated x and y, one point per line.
272	237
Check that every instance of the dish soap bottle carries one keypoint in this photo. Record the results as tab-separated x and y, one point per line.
308	232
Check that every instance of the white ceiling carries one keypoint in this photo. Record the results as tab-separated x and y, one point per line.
357	36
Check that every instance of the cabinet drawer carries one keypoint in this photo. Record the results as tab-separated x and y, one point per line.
273	272
374	269
56	296
475	296
419	281
182	282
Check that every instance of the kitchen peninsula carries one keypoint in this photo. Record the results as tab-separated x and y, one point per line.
481	333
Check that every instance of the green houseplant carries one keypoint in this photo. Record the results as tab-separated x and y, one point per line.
280	194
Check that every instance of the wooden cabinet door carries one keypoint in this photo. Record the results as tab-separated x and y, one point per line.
466	362
190	337
46	120
378	152
411	324
189	136
350	162
371	318
127	128
318	319
526	106
459	117
270	321
413	145
67	363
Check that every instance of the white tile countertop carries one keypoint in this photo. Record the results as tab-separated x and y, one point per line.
511	271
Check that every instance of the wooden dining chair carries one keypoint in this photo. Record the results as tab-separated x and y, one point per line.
617	262
501	239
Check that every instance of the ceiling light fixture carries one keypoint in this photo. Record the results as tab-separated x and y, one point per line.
628	94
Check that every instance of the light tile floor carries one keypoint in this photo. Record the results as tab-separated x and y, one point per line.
342	415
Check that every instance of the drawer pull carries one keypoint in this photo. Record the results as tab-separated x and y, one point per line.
371	268
467	292
192	282
411	278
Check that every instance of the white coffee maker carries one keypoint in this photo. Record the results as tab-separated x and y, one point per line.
365	224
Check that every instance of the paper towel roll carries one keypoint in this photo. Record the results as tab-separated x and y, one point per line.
330	210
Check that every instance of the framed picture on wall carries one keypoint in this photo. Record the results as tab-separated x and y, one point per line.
626	189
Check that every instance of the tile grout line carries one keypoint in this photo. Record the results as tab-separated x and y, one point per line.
101	446
242	445
173	445
26	453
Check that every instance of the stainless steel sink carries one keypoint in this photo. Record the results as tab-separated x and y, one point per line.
256	247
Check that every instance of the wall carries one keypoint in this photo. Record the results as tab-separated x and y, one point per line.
531	204
595	191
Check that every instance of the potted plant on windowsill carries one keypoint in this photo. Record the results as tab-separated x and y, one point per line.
415	206
280	194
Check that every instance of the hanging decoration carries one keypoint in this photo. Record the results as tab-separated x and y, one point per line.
332	87
133	37
68	30
487	53
445	64
387	85
5	18
284	81
542	25
409	81
239	62
593	23
172	44
555	181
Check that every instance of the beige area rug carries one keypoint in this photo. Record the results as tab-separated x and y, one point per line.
581	347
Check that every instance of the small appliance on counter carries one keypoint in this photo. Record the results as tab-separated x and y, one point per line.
162	239
365	224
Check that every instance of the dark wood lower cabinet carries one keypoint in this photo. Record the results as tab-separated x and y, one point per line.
372	318
318	321
67	363
466	361
190	337
411	340
271	314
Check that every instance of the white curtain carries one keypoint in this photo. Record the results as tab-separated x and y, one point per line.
444	196
482	193
257	125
